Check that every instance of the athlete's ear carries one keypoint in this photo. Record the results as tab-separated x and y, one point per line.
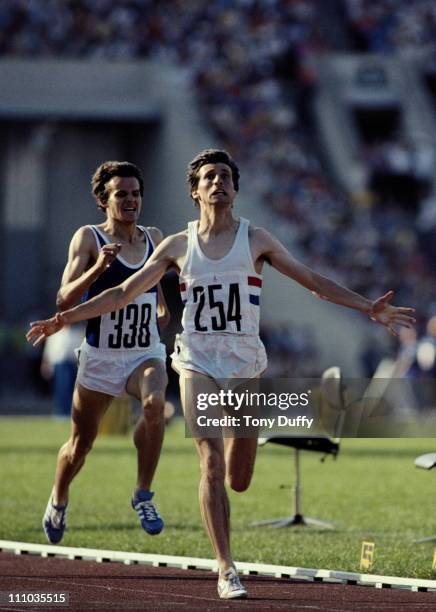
102	205
194	197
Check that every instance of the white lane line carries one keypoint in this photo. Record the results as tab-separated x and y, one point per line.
112	588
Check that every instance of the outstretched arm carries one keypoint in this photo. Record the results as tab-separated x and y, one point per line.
381	311
111	299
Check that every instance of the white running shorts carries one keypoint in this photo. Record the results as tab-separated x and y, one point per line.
220	356
108	371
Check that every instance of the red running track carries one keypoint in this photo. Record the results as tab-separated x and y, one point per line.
113	586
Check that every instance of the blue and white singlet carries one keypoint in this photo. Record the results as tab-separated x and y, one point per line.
133	327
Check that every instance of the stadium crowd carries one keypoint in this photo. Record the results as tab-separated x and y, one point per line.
384	26
251	65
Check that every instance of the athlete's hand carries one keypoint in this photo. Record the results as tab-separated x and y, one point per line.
40	330
391	316
107	255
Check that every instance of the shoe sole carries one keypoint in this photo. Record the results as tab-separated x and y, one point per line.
56	541
235	595
152	532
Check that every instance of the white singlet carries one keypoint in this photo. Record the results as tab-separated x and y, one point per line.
221	315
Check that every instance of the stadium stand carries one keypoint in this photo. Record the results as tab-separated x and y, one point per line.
386	26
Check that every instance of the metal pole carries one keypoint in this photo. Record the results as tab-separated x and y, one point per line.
297	487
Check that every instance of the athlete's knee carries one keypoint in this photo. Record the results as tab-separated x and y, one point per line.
153	405
238	483
79	446
239	479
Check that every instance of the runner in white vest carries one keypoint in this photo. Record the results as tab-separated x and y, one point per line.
220	260
221	314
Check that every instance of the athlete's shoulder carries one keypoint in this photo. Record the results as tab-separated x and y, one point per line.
83	237
180	236
174	245
180	239
156	234
259	234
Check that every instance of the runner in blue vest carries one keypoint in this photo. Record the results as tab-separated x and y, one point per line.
121	352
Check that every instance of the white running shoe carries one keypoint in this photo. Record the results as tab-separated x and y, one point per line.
230	587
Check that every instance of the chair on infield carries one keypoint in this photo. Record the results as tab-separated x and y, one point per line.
332	392
426	462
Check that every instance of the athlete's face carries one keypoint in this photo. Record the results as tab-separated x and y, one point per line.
124	199
215	185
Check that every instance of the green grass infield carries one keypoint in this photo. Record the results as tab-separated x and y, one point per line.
372	492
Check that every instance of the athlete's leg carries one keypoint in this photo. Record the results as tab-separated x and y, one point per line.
87	410
240	453
214	503
148	383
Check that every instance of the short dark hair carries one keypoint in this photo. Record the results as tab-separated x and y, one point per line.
106	171
211	156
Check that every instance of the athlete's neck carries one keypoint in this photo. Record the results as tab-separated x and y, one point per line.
215	221
121	231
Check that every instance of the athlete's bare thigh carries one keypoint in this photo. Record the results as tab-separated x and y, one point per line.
239	453
148	378
195	386
88	409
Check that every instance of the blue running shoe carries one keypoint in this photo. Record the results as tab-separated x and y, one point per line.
54	522
151	522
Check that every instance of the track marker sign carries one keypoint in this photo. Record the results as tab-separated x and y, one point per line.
433	566
367	556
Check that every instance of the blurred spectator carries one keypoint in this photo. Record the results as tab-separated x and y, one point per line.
371	354
426	351
382	26
59	364
400	173
292	351
406	365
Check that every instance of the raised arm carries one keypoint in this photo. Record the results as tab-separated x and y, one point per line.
85	264
270	249
166	255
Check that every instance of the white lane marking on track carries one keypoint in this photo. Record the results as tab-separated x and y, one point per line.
111	588
352	607
313	607
385	607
